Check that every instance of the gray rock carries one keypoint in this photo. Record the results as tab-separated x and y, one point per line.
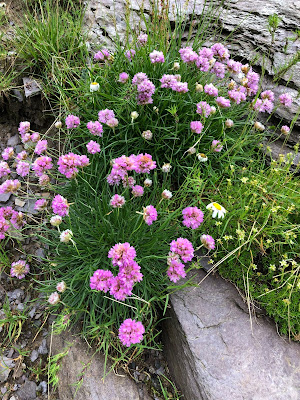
28	207
15	294
34	355
27	391
14	140
215	355
42	387
43	347
4	197
79	356
31	87
18	94
6	364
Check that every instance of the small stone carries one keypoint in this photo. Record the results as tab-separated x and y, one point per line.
42	387
32	312
6	364
31	87
43	347
4	197
19	148
13	141
21	307
19	202
15	294
27	391
34	355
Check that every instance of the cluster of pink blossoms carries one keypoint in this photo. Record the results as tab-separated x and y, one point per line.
72	121
4	169
145	88
141	163
123	77
23	168
208	242
173	82
68	164
40	204
93	147
60	205
157	57
102	55
216	146
95	128
129	54
192	217
8	218
40	147
117	201
180	249
108	117
8	153
142	39
42	164
10	186
19	269
196	126
131	332
121	285
149	214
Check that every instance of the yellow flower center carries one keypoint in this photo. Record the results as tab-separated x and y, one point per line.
94	83
202	155
217	206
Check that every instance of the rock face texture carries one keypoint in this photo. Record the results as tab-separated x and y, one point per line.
215	355
80	365
246	23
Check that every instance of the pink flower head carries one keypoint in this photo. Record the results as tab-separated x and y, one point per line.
61	287
268	94
7	153
120	288
117	201
144	163
142	39
40	147
129	54
19	269
131	332
139	78
26	138
4	169
95	128
202	63
150	214
179	87
123	77
216	146
211	90
53	298
129	182
40	204
44	180
145	91
222	102
219	70
252	82
68	164
10	186
24	127
60	205
23	168
238	95
206	52
188	55
157	57
21	156
35	137
72	121
93	147
137	191
285	129
42	164
196	127
176	270
286	99
131	273
102	55
4	226
101	280
122	254
112	123
182	247
105	115
192	217
208	242
167	81
204	109
234	66
220	51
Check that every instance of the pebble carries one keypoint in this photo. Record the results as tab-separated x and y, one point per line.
15	294
13	141
42	387
43	347
27	391
4	197
34	355
6	364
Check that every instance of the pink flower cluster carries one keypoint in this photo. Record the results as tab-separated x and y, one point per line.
179	249
192	217
129	54
117	201
42	164
216	146
208	242
123	77
72	121
102	55
40	204
157	57
137	191
9	216
95	128
286	99
173	82
68	164
4	169
108	117
60	205
23	168
131	332
142	163
10	186
40	147
196	126
211	90
149	214
7	153
203	108
19	269
121	285
93	147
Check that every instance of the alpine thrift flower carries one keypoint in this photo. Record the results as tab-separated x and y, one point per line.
60	205
95	128
157	57
40	147
147	135
192	217
229	123
137	191
208	242
285	130
182	247
102	55
123	77
40	204
203	108
35	137
196	127
129	54
117	201
58	124
24	127
166	194
93	147
286	99
101	280
55	220
8	153
120	288
112	123
42	164
72	121
166	168
53	298
122	254
142	39
19	269
4	169
216	146
22	168
211	90
66	236
44	180
131	332
150	214
147	182
222	102
10	186
176	269
105	115
61	287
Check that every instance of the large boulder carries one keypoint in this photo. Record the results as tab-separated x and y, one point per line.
215	351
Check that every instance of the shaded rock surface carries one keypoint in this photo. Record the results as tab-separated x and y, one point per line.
214	355
80	363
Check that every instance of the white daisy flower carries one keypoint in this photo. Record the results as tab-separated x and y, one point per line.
94	87
217	210
202	157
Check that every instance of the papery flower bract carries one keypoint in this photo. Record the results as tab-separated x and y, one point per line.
147	135
147	182
166	194
137	191
217	210
55	220
61	287
58	124
66	236
100	280
229	123
53	298
93	147
259	126
134	115
196	126
8	153
117	201
112	123
149	214
95	128
72	121
192	217
19	269
216	146
123	77
131	332
166	168
208	242
60	205
40	147
157	57
182	247
40	204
